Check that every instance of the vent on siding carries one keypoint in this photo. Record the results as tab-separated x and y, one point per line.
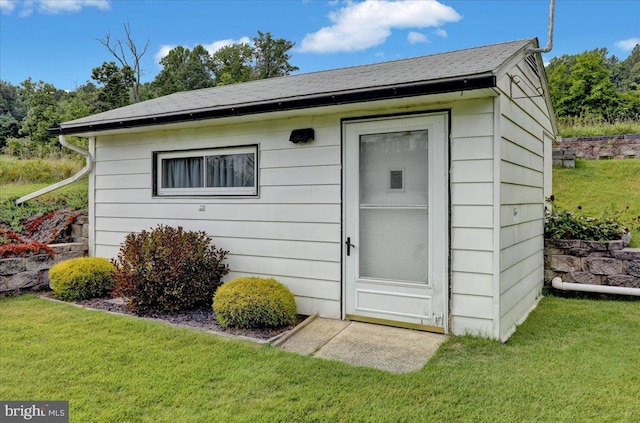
533	64
396	180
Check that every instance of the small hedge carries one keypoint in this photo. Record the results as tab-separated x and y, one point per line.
254	302
81	278
168	269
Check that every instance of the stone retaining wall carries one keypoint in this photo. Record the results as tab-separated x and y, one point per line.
607	147
31	271
592	262
565	157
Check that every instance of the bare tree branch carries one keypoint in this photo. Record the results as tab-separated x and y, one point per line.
117	50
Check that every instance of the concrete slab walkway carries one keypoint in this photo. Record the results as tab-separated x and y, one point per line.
362	344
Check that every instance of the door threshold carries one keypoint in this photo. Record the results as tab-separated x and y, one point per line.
386	322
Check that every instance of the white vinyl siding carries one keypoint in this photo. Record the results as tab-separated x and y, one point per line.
523	122
472	220
291	231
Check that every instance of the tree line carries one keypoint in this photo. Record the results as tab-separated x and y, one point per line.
28	110
588	86
592	86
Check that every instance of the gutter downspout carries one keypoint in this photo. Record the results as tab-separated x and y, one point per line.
86	169
549	46
601	289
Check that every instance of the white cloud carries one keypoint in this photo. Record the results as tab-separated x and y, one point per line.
51	7
416	37
7	6
217	45
441	32
359	26
163	51
211	48
628	44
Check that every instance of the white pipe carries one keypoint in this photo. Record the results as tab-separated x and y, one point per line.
549	46
86	169
600	289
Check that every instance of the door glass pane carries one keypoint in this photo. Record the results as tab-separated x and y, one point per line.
393	206
393	244
384	159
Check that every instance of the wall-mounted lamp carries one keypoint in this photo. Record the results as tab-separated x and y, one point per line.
302	135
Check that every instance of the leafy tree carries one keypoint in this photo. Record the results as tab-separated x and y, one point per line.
233	64
591	88
42	110
626	74
74	106
184	70
12	111
116	85
147	92
9	128
128	55
588	84
271	56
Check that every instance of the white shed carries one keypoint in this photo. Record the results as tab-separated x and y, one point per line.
408	193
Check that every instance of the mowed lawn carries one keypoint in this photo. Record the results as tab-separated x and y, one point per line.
573	360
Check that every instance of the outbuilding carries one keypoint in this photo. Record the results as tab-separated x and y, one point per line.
408	193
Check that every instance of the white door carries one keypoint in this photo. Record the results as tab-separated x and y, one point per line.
396	221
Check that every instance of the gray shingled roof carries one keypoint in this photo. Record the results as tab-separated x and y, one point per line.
479	61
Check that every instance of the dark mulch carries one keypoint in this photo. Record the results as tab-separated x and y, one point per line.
202	319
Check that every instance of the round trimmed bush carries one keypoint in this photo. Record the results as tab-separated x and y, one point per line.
81	278
254	302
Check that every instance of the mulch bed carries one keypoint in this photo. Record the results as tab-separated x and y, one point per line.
203	319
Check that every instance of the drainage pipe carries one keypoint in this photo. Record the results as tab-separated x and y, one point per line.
86	169
600	289
549	46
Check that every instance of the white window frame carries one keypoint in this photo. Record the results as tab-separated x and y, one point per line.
206	191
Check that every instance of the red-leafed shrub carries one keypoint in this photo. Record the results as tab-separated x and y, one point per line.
168	269
12	244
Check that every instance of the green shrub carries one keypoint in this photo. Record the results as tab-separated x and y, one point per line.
253	302
81	278
563	224
167	270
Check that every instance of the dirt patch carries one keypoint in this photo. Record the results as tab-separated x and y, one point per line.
203	319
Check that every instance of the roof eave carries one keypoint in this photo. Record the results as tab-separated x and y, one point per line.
466	83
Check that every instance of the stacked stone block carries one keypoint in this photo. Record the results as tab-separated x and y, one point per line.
607	147
592	262
31	271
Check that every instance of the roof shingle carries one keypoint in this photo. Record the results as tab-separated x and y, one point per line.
437	67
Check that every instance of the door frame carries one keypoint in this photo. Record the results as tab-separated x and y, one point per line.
440	258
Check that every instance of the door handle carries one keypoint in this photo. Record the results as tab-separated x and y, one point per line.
349	245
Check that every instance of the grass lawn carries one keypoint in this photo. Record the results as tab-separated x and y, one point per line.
572	360
600	186
18	190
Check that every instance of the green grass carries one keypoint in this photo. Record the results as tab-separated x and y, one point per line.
601	186
14	170
20	177
18	190
596	127
572	360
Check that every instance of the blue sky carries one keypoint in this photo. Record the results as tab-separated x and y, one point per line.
56	40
